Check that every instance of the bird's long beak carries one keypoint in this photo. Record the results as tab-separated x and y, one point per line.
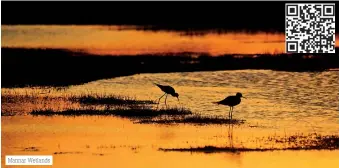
178	98
243	97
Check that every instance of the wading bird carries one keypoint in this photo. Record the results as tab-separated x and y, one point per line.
168	90
231	101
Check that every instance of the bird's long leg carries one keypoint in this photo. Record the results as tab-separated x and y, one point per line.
159	99
229	114
166	99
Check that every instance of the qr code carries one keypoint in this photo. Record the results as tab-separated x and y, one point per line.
310	28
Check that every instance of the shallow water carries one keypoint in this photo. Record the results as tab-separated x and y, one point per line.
277	103
305	101
114	142
127	40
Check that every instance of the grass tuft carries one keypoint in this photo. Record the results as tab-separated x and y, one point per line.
196	119
108	99
328	142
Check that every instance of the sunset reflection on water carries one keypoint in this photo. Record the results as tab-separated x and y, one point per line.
128	41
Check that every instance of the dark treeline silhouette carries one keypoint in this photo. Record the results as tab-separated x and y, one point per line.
57	67
178	16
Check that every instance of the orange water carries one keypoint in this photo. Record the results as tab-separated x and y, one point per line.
116	40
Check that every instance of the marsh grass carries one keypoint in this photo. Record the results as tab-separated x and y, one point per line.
194	119
8	113
27	97
140	112
45	94
20	101
300	142
312	140
108	99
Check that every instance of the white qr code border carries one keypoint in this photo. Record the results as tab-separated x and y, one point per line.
298	42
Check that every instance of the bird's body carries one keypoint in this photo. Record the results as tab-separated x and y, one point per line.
231	101
168	90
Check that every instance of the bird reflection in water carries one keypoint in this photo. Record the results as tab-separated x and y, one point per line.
230	135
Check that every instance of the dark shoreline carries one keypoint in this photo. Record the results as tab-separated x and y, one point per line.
57	67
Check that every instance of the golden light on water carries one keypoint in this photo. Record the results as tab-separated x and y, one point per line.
118	41
164	42
107	141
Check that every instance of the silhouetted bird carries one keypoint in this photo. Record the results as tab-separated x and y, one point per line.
168	90
231	101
